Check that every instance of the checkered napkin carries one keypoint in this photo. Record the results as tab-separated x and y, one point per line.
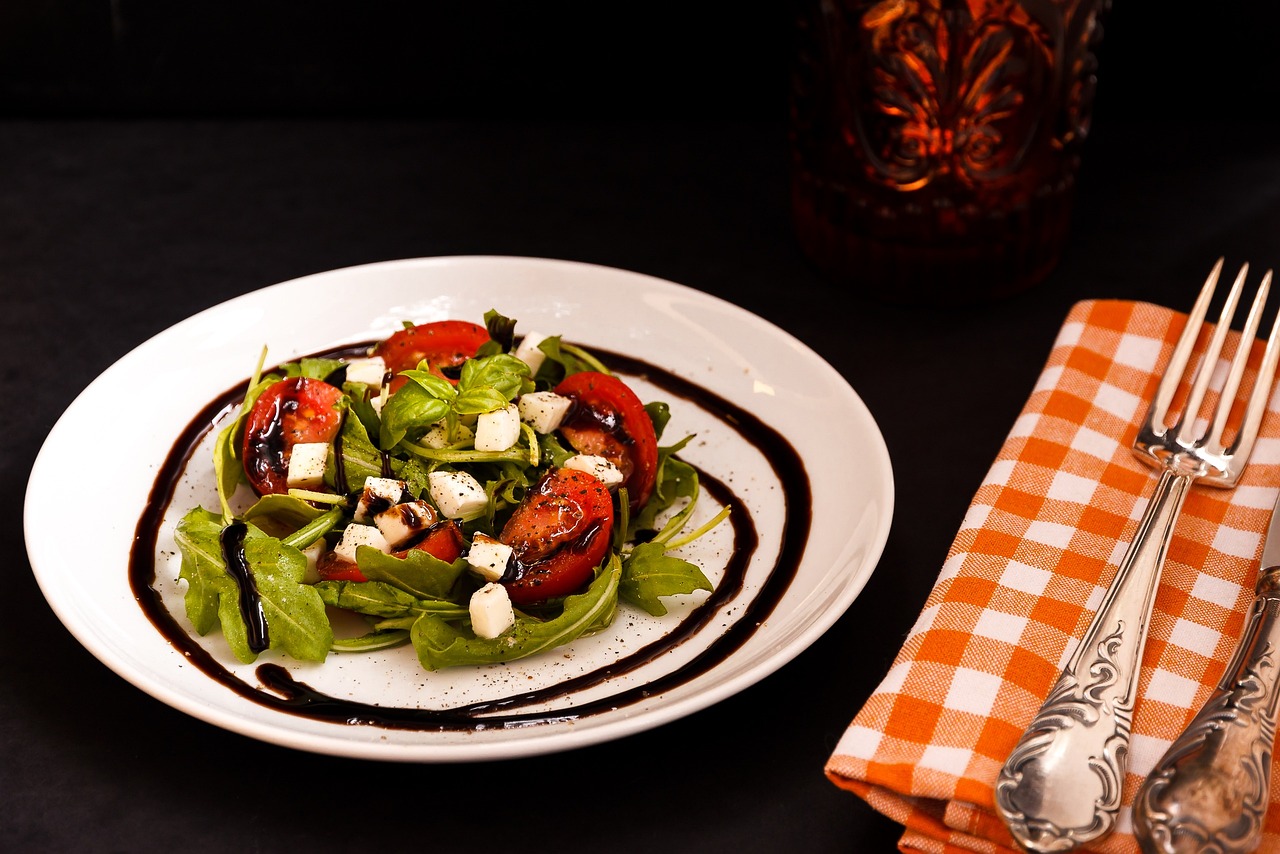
1028	568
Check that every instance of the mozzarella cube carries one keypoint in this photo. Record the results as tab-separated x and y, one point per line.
360	535
369	371
605	471
544	411
312	553
306	465
491	611
400	522
378	494
438	435
488	557
457	494
499	429
529	353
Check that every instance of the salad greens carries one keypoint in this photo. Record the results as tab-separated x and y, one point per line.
424	427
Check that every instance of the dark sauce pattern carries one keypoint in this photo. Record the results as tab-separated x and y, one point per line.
286	694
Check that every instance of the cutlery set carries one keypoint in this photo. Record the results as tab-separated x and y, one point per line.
1061	786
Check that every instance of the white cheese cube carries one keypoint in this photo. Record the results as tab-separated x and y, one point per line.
544	411
605	471
499	429
457	494
369	371
400	522
359	535
306	465
312	553
437	436
378	494
488	557
529	353
491	611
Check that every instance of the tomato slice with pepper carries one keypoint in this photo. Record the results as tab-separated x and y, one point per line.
442	540
290	412
609	420
443	344
558	534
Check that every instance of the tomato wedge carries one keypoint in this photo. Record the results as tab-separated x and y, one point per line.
443	344
610	421
559	533
442	540
290	412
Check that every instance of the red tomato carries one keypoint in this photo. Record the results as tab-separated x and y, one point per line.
559	533
443	540
287	413
443	344
610	421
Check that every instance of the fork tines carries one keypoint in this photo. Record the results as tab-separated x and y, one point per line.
1156	432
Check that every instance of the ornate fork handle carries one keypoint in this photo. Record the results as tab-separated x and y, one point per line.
1060	787
1211	790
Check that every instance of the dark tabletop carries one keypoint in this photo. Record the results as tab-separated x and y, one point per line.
121	217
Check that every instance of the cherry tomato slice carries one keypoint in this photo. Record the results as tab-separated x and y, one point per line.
610	421
444	344
559	533
290	412
442	540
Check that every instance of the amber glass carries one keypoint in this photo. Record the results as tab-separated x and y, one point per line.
935	144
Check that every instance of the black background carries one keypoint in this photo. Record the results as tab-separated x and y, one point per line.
698	60
157	158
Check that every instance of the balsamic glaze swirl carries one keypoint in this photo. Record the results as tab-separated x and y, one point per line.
286	694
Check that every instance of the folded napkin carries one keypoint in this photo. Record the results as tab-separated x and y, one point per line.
1028	568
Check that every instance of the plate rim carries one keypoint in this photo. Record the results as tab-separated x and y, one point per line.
480	751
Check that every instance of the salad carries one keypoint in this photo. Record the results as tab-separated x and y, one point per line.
480	496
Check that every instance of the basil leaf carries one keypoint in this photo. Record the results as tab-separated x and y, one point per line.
436	386
410	407
479	400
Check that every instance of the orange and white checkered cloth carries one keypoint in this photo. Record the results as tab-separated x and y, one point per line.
1028	568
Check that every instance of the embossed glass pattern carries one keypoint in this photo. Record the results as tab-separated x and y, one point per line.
935	144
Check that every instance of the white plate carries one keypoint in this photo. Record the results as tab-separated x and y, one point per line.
712	343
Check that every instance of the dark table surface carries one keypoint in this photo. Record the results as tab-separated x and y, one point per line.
111	230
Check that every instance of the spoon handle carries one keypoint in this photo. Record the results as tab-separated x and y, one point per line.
1211	790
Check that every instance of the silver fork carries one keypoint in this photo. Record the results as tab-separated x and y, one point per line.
1061	785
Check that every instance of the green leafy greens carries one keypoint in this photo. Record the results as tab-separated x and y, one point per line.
412	597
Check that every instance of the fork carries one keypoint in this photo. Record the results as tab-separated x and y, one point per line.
1061	785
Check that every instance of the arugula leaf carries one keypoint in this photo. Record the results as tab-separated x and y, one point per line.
312	368
380	599
227	469
675	479
570	359
648	573
282	511
360	459
296	620
502	330
418	573
440	644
